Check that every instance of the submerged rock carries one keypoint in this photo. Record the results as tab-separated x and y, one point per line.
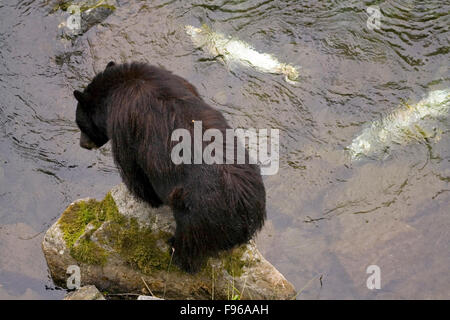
120	245
77	17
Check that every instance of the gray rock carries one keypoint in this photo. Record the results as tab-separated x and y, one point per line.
120	246
85	293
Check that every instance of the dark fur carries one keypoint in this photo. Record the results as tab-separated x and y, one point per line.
137	106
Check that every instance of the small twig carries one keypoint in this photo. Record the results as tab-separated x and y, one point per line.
167	277
31	237
142	278
213	283
243	288
305	286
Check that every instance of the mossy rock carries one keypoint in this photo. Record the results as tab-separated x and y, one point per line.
121	245
140	246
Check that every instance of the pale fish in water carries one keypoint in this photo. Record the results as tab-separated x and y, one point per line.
405	124
233	50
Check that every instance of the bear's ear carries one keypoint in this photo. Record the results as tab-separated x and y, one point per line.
80	96
110	64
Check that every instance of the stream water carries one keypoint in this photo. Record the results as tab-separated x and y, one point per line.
328	218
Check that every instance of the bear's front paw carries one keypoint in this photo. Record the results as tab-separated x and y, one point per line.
189	266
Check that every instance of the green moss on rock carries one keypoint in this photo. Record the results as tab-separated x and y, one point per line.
74	221
139	246
233	261
88	252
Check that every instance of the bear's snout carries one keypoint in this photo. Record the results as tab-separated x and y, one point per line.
86	143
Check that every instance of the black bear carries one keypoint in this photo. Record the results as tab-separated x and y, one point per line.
137	106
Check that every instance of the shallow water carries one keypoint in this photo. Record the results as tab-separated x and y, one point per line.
328	218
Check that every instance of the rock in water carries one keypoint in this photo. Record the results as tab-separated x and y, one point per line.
77	17
85	293
120	245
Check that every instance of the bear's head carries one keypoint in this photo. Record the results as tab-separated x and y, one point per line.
91	118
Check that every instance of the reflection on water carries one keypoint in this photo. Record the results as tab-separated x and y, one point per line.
328	218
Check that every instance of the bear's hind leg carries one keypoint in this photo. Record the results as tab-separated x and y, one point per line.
189	252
